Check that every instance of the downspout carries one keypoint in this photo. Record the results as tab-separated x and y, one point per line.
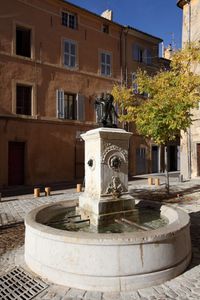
189	130
120	58
125	55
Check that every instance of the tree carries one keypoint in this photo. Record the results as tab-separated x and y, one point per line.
172	94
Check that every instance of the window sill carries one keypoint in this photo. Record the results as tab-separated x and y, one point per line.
23	57
76	68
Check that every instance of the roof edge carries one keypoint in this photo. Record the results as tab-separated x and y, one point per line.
111	21
145	33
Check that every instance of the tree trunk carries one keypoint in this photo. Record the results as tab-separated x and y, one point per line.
166	169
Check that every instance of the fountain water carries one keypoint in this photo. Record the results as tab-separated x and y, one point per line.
107	243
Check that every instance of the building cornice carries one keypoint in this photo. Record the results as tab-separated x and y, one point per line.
181	3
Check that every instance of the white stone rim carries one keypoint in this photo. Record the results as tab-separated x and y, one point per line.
180	222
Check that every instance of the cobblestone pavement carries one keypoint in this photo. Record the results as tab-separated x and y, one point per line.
185	286
14	209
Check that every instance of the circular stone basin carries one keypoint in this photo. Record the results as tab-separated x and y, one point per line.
107	261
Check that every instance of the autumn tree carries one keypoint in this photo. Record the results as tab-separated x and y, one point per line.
172	94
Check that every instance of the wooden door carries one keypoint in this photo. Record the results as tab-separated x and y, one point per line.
79	160
16	163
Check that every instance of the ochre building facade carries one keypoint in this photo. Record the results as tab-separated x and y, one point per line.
55	58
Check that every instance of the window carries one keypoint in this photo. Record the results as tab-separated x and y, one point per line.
105	64
70	106
23	41
70	54
105	28
142	55
69	19
23	99
148	57
134	84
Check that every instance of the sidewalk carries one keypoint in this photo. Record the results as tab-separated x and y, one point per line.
185	286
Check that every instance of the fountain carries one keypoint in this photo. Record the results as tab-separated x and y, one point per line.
110	241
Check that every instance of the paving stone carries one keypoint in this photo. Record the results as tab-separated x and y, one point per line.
93	295
148	292
111	296
130	296
75	293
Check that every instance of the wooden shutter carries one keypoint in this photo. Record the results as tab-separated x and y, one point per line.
80	105
60	104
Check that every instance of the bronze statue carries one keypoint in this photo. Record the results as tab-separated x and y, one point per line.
104	104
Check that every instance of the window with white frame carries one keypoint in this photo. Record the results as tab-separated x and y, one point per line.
70	53
105	63
69	19
70	106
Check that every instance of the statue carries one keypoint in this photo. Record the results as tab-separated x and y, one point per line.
105	108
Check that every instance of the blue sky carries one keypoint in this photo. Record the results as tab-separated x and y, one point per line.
161	18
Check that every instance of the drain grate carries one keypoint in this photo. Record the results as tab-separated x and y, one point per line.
18	284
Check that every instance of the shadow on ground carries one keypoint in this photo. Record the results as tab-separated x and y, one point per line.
177	194
195	238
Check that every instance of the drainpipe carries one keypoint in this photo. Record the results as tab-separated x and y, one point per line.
120	54
189	130
125	55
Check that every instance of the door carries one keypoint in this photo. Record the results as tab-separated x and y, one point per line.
155	159
172	158
140	161
79	159
16	163
198	159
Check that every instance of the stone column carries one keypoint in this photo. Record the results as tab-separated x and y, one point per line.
106	175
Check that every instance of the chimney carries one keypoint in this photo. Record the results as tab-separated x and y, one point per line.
107	14
168	52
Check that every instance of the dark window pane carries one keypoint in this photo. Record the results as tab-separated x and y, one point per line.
73	61
108	59
73	49
103	69
70	106
65	19
103	58
23	42
66	60
23	100
105	28
108	70
66	47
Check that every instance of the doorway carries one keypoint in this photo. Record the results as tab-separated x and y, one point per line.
155	159
16	151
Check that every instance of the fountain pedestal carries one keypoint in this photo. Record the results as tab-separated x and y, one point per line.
106	176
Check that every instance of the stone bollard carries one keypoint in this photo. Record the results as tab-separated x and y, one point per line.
47	191
157	181
37	192
150	181
79	188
